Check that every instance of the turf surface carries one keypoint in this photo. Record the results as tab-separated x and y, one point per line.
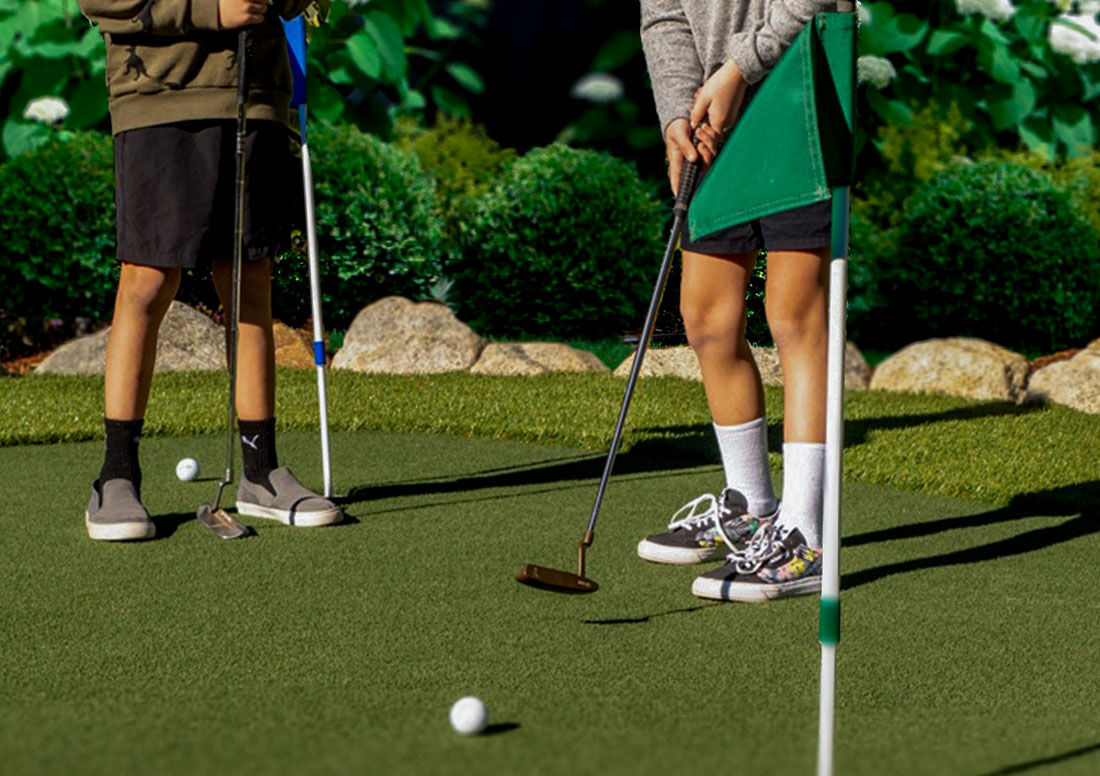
969	630
992	452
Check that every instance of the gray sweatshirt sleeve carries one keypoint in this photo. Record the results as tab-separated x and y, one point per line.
674	66
756	51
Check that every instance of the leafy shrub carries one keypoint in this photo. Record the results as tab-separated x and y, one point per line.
870	247
373	62
47	49
58	234
1000	63
463	160
993	250
910	153
1079	175
566	242
378	228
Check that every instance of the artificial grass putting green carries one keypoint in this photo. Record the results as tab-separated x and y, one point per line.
992	452
968	642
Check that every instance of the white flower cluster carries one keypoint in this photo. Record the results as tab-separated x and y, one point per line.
998	10
877	71
1090	7
353	3
864	13
1082	47
48	110
599	88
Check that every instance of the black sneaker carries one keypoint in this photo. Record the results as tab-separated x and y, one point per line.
696	538
775	563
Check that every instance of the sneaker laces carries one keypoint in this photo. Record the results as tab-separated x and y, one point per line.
764	546
695	518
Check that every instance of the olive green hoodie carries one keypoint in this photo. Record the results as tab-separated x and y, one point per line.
169	61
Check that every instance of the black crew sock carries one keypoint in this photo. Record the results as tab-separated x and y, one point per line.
120	462
258	450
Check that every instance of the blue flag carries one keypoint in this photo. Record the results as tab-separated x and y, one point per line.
296	47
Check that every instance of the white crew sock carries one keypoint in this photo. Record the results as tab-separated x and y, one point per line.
804	489
744	450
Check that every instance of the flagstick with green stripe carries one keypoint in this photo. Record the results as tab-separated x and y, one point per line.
829	626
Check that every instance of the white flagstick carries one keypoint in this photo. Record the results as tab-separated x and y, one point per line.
315	299
829	628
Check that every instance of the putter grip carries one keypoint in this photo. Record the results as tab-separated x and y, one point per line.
244	42
689	175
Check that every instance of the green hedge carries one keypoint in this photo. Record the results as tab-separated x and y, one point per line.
566	242
463	161
993	250
379	229
58	235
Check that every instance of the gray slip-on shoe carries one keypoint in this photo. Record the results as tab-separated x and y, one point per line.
292	503
115	513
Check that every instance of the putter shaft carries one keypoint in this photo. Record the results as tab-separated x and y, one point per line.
688	176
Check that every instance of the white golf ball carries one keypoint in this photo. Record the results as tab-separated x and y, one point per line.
469	716
187	469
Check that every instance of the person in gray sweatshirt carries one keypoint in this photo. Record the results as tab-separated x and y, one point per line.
706	58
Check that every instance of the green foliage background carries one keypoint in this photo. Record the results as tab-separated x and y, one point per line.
557	244
58	233
379	228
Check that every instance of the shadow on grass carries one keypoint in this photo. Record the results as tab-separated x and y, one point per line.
644	458
647	617
668	449
699	440
166	525
1041	762
1082	501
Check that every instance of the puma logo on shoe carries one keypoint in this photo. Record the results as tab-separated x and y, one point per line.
251	442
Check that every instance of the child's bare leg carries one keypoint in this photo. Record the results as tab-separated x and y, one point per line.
256	346
797	309
266	490
144	294
712	302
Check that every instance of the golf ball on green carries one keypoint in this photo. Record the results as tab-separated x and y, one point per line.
187	469
469	716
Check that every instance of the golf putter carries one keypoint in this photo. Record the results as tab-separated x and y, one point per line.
564	581
212	515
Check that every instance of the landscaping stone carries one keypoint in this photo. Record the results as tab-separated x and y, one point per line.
1073	383
188	341
291	348
1044	361
958	366
681	362
665	362
397	336
767	361
533	358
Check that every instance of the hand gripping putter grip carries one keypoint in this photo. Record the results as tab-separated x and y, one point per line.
564	581
211	515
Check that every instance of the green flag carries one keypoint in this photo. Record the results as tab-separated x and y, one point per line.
794	142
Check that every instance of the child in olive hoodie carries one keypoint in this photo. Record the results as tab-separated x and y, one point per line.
172	84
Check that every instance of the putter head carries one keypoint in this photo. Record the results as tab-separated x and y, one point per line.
221	523
554	580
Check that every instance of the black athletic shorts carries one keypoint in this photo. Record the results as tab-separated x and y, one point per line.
174	192
802	229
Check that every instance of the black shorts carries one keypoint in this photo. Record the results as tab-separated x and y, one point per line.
174	192
801	229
